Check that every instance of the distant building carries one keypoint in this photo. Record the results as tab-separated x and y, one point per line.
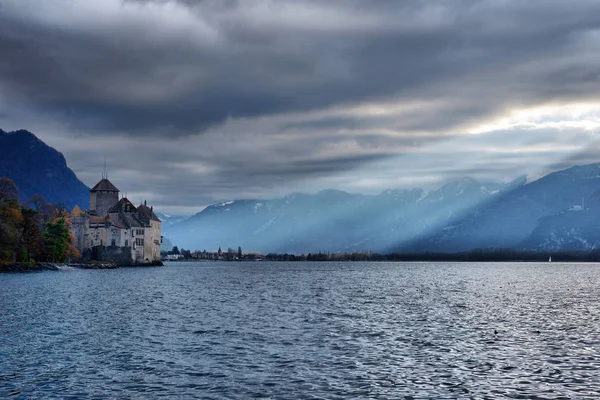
114	229
578	207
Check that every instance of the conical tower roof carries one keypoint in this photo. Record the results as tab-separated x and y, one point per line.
105	185
76	211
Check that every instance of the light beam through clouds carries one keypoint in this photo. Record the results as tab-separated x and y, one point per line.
218	100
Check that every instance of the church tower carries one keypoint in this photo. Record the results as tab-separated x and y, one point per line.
103	196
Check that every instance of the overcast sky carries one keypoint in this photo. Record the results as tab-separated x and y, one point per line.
198	101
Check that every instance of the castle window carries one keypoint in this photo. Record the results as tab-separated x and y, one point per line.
126	243
113	243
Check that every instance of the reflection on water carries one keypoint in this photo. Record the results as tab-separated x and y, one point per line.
303	330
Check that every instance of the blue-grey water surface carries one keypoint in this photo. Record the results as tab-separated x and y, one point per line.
303	331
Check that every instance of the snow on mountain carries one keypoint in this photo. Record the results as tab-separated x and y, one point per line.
330	220
460	215
169	220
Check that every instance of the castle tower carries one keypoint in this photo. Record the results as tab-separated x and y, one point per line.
103	196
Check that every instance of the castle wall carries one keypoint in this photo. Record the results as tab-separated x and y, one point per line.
101	201
120	255
92	200
148	243
80	229
97	236
155	240
138	252
151	248
115	237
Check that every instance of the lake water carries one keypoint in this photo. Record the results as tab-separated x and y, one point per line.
303	331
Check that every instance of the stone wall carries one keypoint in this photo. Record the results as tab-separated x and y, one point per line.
97	236
101	201
120	255
156	237
151	249
80	229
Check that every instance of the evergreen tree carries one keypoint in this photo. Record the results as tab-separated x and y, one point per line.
31	235
57	237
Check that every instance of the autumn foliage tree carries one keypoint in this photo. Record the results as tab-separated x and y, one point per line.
46	211
36	231
10	217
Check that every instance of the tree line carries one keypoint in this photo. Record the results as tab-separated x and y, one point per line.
34	231
477	255
229	255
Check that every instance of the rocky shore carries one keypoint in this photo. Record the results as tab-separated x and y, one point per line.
46	266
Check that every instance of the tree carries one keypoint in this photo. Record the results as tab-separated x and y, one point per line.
10	218
9	193
186	254
21	237
31	235
72	251
175	250
46	211
57	237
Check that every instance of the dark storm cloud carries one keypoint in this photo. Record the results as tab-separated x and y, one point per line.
229	99
147	66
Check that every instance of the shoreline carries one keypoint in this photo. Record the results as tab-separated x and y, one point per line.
48	266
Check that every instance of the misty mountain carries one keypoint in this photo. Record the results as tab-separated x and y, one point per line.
168	219
556	212
560	211
332	220
37	168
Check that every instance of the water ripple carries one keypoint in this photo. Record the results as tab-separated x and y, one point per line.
303	331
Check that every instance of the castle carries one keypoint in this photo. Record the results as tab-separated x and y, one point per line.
114	229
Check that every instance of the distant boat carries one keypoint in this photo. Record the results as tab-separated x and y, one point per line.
550	259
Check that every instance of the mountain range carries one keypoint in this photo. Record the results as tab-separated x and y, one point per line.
560	211
547	214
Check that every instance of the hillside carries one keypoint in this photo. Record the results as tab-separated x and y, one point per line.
525	216
462	215
37	168
331	220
